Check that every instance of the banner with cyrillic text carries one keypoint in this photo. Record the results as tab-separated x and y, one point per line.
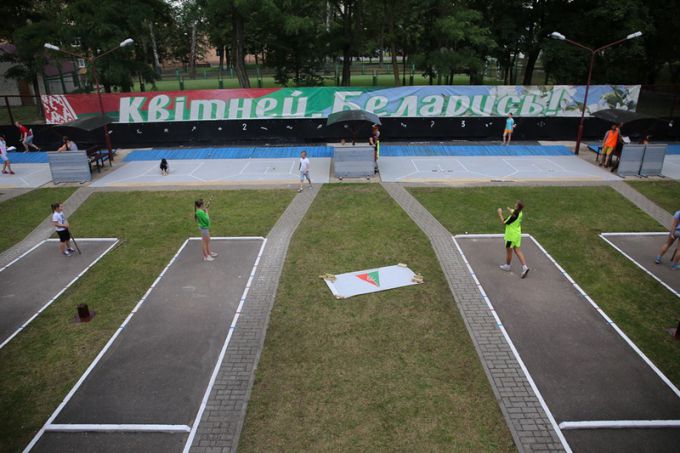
400	102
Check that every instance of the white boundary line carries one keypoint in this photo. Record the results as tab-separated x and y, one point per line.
610	321
213	377
619	424
640	233
235	238
585	296
553	422
96	360
655	277
56	296
131	428
592	302
24	254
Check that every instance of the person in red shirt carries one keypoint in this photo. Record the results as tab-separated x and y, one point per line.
26	136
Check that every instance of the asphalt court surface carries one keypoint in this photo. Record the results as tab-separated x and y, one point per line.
35	279
215	171
581	366
26	175
642	248
157	370
489	168
671	166
623	440
52	442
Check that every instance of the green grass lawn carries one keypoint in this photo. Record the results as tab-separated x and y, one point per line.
567	221
43	362
389	371
23	213
664	193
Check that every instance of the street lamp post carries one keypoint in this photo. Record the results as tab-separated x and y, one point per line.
93	59
593	52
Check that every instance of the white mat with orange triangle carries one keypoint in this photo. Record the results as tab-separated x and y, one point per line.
371	281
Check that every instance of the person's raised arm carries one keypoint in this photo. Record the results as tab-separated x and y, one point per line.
500	215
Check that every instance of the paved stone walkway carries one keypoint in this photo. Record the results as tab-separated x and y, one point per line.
45	229
657	213
8	194
528	422
223	418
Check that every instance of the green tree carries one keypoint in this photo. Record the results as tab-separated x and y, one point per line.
296	41
455	41
600	23
98	26
27	26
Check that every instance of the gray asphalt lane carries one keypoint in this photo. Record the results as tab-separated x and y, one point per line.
623	440
28	284
110	442
158	368
581	366
643	249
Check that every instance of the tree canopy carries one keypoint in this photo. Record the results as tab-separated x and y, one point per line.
296	38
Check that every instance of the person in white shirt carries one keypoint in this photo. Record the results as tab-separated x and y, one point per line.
61	225
69	145
304	170
6	167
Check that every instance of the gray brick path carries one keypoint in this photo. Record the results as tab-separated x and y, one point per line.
657	213
528	422
220	426
8	194
45	229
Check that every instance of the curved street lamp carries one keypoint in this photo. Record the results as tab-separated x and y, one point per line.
559	36
126	43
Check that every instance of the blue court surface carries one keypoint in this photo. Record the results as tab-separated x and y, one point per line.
33	157
327	151
257	152
478	151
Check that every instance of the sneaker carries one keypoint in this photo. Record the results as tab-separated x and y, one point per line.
208	258
505	267
4	172
213	254
676	267
70	250
67	253
657	260
300	190
525	271
11	172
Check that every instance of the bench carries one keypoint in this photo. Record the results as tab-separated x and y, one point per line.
97	156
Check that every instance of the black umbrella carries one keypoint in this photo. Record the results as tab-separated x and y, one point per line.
637	125
353	120
619	116
83	130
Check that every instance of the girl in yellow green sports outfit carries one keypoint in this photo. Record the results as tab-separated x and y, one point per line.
513	237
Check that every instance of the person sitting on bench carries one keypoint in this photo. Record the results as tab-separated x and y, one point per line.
68	145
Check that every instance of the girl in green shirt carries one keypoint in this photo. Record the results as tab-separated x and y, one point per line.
203	219
513	236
